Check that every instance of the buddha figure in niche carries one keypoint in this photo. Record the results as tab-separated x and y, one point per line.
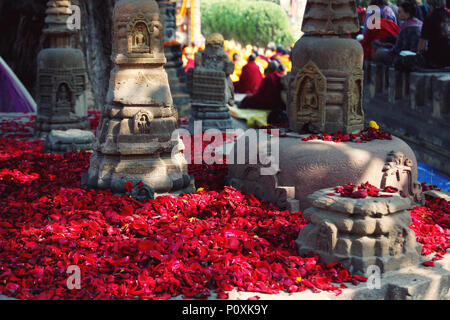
141	39
309	101
354	114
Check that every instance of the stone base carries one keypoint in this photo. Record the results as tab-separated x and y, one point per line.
73	140
360	233
190	188
160	173
42	128
307	166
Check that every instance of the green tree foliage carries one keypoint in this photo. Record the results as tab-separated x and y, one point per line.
248	22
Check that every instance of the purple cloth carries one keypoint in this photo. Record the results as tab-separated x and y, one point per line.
12	96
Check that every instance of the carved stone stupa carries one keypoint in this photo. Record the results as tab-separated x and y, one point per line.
61	76
134	138
210	85
326	85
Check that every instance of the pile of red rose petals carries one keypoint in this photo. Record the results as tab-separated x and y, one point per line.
157	249
208	176
365	135
363	191
94	118
431	224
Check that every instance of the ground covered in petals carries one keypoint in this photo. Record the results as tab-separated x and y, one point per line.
213	240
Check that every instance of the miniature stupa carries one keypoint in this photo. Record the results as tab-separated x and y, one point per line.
135	138
326	91
61	76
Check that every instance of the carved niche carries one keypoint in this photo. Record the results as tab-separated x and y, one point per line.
353	111
142	122
139	30
397	172
326	237
64	99
310	95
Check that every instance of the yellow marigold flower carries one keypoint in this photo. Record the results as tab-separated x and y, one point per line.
374	125
298	280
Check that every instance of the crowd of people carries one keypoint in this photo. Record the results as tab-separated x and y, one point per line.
257	74
411	35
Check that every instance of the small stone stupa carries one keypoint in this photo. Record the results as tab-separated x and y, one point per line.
210	86
134	138
61	76
326	86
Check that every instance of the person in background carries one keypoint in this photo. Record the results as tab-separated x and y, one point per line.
268	95
422	9
434	43
251	77
408	38
394	8
386	12
383	37
280	51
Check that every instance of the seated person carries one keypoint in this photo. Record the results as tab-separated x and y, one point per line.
268	95
251	77
375	38
385	12
408	38
435	37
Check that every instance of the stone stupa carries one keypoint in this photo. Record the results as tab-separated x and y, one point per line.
325	95
134	138
327	84
61	76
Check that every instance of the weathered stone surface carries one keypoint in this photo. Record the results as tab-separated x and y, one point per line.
438	194
309	166
134	138
61	79
73	140
341	230
210	86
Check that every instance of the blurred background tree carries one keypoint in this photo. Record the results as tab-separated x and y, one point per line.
247	22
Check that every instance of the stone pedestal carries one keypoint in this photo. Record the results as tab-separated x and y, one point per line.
135	138
304	167
327	77
360	233
73	140
61	78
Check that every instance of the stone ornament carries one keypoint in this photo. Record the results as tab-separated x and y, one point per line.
210	86
397	172
136	133
139	35
142	122
61	77
360	232
311	88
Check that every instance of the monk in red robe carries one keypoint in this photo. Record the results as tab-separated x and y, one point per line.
250	79
388	29
268	95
